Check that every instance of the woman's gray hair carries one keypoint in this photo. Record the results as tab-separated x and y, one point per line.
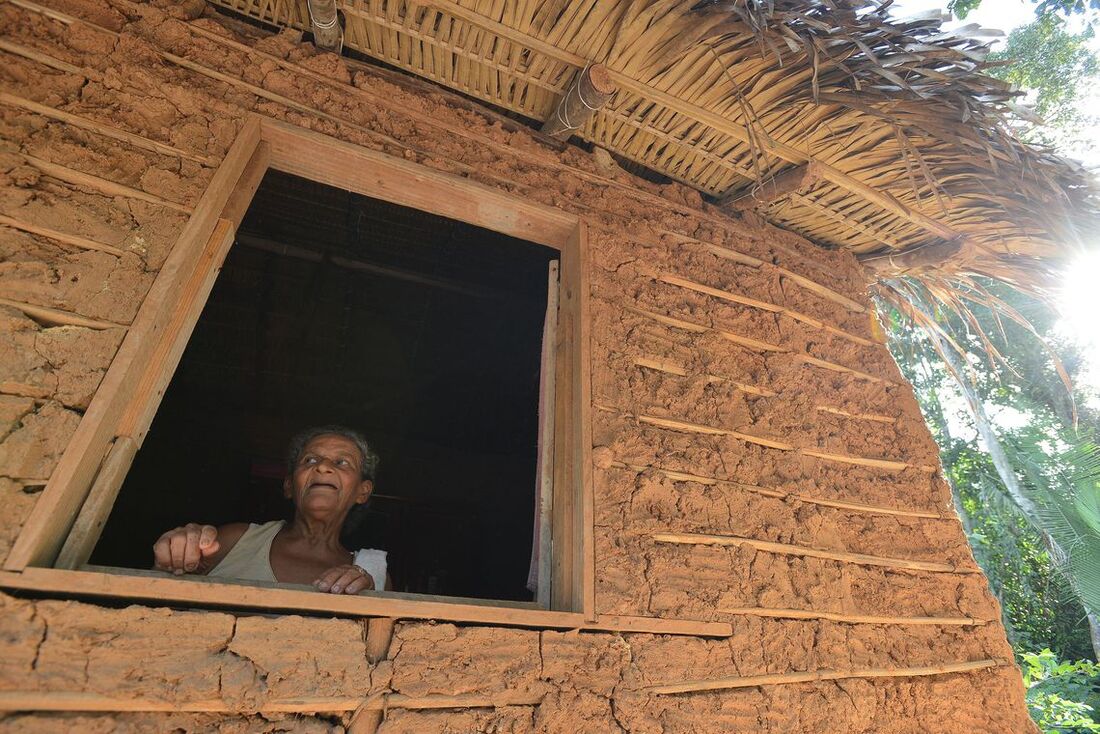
369	465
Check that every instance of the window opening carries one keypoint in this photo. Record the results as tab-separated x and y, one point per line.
423	332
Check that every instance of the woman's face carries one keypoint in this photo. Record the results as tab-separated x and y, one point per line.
327	480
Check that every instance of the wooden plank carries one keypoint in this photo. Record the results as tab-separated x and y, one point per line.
100	185
109	131
767	546
62	237
566	532
57	317
368	172
547	417
159	588
42	535
246	187
155	374
581	416
814	676
101	498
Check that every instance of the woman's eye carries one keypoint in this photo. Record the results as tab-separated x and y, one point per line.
342	462
309	460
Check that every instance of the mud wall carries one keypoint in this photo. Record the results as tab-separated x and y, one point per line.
730	399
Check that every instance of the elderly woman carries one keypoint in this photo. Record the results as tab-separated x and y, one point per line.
330	470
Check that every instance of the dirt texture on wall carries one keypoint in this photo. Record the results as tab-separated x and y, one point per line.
756	453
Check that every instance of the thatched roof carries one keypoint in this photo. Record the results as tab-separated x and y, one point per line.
907	145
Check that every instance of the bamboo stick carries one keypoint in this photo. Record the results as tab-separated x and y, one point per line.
63	237
719	684
102	185
810	285
787	549
858	416
674	369
56	317
106	130
88	701
47	60
764	306
676	424
754	344
769	492
853	618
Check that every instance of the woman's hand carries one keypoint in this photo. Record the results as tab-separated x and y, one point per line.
345	579
183	550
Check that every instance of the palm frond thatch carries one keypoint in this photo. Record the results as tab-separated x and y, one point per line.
723	94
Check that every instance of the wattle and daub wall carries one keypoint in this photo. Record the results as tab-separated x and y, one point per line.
704	424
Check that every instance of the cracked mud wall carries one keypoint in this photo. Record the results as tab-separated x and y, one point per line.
743	391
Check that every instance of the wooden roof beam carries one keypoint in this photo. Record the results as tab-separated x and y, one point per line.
590	90
772	189
712	119
325	25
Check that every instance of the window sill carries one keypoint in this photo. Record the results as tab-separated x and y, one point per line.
154	586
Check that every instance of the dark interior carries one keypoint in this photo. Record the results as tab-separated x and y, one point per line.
422	332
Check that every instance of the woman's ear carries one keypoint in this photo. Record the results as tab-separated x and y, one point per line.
365	488
286	488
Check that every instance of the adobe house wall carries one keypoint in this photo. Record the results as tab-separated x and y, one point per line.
789	380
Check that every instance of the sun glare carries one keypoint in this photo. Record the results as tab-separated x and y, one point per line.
1079	311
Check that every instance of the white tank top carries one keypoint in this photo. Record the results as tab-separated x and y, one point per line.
250	558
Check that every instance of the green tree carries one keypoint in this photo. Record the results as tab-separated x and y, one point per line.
1057	67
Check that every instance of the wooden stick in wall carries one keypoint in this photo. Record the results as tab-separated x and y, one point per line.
766	546
47	60
726	295
853	618
366	719
56	317
105	130
86	701
679	476
101	185
676	424
68	239
661	365
719	684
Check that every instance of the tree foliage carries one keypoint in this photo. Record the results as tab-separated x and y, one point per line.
1043	8
1056	66
1042	558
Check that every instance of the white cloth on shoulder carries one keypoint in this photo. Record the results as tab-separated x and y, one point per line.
373	561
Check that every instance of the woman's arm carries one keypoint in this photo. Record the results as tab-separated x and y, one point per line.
195	548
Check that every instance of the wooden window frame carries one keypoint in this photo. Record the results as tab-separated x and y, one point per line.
50	551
